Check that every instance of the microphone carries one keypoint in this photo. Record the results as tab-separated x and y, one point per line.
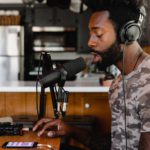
40	1
69	70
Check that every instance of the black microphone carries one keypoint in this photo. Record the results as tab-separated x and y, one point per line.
69	70
40	1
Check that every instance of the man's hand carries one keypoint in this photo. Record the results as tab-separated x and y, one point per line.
55	127
144	141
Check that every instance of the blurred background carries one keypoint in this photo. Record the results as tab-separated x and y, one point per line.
28	27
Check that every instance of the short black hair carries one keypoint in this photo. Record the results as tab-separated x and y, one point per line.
121	11
97	5
122	14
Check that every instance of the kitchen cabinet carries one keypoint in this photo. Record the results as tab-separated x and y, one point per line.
2	103
87	101
22	103
96	105
43	16
80	104
46	16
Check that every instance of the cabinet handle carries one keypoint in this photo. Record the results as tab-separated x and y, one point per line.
87	105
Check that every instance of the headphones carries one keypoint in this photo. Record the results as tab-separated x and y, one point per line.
132	31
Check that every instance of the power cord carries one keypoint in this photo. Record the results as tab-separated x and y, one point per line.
124	98
47	146
37	81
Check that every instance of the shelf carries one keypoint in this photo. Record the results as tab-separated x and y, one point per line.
52	29
54	49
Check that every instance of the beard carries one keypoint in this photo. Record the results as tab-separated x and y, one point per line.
109	57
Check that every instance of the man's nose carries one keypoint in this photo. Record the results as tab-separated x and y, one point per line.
92	41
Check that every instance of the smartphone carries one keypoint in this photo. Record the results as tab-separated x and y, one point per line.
19	144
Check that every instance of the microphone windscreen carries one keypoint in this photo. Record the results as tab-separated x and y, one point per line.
50	79
74	66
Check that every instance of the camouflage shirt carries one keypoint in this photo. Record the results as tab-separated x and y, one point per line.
137	98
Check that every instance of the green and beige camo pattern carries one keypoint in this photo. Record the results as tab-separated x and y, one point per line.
137	93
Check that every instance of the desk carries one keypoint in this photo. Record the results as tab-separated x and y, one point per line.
31	136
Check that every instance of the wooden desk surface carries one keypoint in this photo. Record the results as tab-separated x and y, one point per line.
29	137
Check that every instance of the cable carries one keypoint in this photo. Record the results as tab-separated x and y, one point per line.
124	97
54	96
37	80
46	145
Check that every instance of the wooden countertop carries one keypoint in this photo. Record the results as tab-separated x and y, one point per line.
31	137
80	85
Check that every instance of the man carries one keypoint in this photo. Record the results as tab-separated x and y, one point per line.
112	43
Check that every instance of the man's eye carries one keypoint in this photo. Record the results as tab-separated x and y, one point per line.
99	36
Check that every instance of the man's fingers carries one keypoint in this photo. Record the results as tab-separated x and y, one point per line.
51	134
54	125
40	123
55	133
49	125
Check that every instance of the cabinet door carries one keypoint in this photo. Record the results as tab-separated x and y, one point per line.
43	16
49	106
2	104
65	18
15	103
94	104
31	106
47	16
50	109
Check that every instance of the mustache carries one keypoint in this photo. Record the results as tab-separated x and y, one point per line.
111	55
114	47
104	54
96	52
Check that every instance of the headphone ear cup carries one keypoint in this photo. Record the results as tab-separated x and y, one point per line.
130	32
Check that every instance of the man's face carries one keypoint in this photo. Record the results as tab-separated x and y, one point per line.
102	39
